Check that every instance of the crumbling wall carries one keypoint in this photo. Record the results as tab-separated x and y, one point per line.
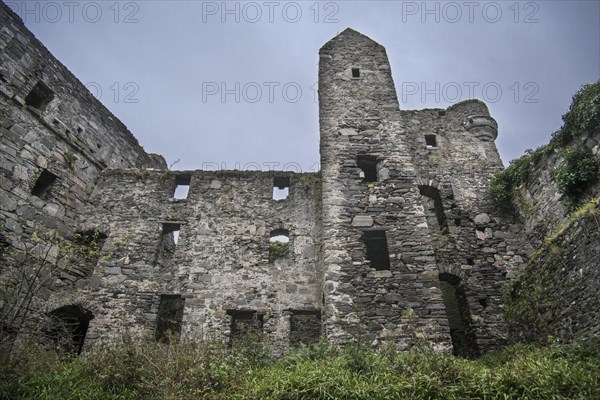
556	295
220	265
55	140
429	200
50	123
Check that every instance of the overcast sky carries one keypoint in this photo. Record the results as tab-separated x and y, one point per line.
234	84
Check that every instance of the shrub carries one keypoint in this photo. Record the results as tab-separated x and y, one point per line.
577	171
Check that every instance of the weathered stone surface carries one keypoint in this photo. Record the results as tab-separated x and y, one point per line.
424	205
362	220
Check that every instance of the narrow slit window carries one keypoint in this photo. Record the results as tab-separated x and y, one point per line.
281	187
368	166
355	72
182	186
43	184
169	318
377	249
431	141
40	96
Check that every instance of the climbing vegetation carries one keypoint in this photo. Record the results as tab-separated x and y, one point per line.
579	167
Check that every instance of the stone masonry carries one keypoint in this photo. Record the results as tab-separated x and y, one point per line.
395	241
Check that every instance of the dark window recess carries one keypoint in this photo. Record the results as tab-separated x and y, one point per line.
470	261
430	140
281	187
169	318
43	184
457	221
355	73
434	209
182	186
246	327
377	249
170	230
67	327
305	327
441	113
40	96
90	244
368	165
459	317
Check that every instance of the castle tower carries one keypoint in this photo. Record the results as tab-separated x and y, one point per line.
398	207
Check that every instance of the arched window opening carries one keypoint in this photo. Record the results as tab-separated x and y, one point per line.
434	209
459	316
67	328
278	244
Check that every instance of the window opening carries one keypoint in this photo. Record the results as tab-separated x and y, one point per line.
368	165
281	187
459	317
169	318
431	141
43	184
246	327
39	96
182	186
377	249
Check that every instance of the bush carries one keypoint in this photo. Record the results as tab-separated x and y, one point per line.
577	171
202	370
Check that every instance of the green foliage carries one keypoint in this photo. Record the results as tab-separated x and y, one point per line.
207	370
277	250
505	183
577	172
583	116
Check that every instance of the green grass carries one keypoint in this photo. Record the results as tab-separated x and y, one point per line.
194	370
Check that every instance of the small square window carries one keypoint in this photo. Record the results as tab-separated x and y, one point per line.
368	165
431	141
43	184
355	73
40	96
281	187
182	186
246	325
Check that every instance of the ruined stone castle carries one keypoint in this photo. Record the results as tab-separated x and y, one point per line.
395	240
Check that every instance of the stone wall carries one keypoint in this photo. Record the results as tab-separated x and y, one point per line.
556	295
539	203
430	197
220	264
52	126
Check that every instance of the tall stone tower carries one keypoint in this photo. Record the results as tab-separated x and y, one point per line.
403	194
